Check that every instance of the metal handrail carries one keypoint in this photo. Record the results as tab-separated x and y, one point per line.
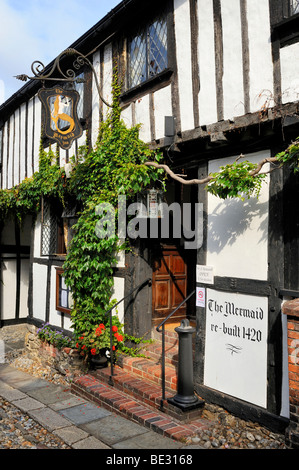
158	328
110	313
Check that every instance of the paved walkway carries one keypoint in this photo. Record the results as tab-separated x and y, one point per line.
79	423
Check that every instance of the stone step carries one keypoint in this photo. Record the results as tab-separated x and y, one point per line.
121	398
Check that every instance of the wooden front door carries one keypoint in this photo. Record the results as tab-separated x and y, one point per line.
169	284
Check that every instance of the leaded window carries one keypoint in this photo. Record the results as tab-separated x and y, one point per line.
148	52
52	230
294	7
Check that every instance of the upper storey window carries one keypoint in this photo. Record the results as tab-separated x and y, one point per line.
148	52
294	7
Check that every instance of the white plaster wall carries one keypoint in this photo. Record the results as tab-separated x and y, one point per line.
30	170
10	153
260	54
62	157
23	141
17	153
127	117
37	237
162	108
237	239
39	291
142	116
289	63
24	288
95	99
233	90
118	293
4	156
206	59
184	67
37	131
82	139
107	78
8	290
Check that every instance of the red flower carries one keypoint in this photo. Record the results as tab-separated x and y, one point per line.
98	331
93	351
114	329
84	347
118	337
77	345
113	348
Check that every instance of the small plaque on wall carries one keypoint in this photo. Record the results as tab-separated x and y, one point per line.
204	274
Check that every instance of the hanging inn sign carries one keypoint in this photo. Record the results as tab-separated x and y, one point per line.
61	121
60	103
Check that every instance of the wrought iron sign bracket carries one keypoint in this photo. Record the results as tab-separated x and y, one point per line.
38	69
60	103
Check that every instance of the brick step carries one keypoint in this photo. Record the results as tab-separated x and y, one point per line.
170	422
140	387
154	352
149	370
171	337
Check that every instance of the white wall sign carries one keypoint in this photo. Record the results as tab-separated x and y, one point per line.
204	274
200	297
236	345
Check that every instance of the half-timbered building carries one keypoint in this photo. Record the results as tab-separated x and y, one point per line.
207	80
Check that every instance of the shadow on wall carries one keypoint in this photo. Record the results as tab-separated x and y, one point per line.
232	219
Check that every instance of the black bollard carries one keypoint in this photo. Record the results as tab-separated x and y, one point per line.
185	397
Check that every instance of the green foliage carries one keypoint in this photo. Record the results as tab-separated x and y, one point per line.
25	199
235	180
113	167
290	156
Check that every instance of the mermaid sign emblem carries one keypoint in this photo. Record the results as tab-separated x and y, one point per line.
60	115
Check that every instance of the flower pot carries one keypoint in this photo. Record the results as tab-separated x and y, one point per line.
99	361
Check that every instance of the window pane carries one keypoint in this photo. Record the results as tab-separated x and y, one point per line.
148	53
294	7
80	89
49	230
157	47
138	60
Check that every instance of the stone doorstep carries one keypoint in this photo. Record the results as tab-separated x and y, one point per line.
112	399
